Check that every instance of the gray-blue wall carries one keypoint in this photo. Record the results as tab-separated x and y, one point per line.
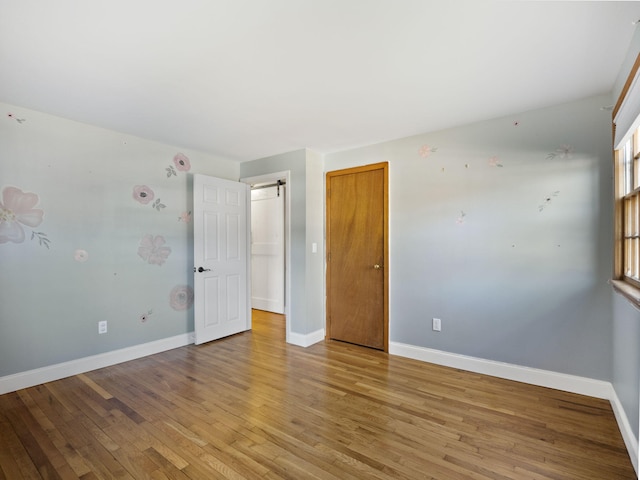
503	230
52	294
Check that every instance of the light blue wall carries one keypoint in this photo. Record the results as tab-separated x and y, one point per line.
626	357
84	177
503	230
315	263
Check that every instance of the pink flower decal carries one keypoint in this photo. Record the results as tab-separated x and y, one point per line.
182	162
494	162
13	117
181	297
81	255
152	249
16	210
426	150
142	194
185	217
460	219
547	200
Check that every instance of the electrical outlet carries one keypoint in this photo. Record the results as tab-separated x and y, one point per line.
102	327
436	325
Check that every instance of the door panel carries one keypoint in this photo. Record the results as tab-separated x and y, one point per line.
210	297
220	249
357	256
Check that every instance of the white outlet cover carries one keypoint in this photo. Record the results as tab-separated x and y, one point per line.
437	324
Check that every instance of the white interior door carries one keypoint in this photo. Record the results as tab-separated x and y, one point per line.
267	249
220	213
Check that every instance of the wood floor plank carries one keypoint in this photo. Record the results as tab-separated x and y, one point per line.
252	407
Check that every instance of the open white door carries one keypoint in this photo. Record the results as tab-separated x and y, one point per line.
220	250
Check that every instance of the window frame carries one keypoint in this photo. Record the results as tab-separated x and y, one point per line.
627	198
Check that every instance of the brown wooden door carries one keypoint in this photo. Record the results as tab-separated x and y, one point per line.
357	255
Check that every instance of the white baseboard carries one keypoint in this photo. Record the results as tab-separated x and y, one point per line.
533	376
630	440
30	378
305	340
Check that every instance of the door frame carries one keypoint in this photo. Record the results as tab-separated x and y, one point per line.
384	166
273	196
269	178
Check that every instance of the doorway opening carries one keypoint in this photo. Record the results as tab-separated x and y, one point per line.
267	246
271	290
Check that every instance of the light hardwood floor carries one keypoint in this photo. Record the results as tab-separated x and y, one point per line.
250	406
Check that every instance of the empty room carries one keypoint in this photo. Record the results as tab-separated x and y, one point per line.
291	239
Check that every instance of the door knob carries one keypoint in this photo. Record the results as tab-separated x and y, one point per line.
376	266
200	269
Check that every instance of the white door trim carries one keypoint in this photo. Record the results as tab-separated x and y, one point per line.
274	177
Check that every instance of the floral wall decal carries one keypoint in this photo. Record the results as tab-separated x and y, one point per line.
80	255
426	150
181	163
494	162
185	217
17	212
143	195
548	200
461	217
13	117
152	249
145	316
564	151
181	297
157	205
42	238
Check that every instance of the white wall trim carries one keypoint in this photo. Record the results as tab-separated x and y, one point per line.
533	376
30	378
306	340
630	440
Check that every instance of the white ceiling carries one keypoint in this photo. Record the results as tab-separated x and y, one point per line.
244	79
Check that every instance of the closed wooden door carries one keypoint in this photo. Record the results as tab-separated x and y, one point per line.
357	255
